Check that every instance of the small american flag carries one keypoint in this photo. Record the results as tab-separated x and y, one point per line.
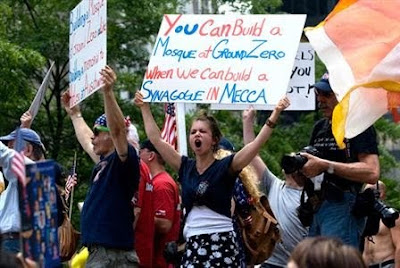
18	161
168	132
69	186
18	168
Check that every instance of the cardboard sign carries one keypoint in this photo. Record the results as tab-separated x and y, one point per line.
87	48
38	206
299	91
222	59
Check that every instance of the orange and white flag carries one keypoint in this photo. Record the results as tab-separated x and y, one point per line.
359	45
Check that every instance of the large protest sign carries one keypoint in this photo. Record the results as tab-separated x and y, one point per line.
87	48
222	59
299	91
38	206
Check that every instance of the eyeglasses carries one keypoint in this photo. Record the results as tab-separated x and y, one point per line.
322	93
98	129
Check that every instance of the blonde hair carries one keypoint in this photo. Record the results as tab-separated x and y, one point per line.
247	176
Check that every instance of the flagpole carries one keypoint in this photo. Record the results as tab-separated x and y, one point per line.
181	128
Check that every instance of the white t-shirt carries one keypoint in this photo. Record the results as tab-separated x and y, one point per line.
202	220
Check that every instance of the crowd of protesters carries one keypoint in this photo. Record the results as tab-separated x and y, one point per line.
134	210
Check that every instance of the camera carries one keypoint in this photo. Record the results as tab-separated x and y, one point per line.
295	161
388	215
368	202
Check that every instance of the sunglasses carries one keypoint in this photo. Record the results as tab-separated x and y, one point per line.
322	93
98	129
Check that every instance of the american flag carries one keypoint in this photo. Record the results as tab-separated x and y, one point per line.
168	132
18	161
18	167
69	186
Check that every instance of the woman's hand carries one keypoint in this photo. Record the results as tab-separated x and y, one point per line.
282	104
138	100
249	115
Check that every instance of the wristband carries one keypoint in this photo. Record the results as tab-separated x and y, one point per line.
270	123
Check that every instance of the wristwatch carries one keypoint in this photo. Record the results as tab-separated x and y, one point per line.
330	169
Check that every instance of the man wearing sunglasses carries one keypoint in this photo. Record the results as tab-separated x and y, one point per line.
107	214
344	172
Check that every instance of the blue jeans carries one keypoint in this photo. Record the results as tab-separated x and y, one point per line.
335	219
11	245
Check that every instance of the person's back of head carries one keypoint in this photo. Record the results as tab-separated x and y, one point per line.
324	252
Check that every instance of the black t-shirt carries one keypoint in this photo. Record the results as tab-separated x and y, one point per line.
322	139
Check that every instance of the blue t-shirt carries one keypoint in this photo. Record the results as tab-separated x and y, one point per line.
213	188
107	215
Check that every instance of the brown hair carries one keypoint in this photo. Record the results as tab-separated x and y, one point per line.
247	176
324	252
215	131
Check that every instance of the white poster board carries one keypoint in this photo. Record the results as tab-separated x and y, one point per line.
222	59
87	48
299	91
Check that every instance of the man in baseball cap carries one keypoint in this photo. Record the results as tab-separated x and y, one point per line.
29	136
323	85
325	96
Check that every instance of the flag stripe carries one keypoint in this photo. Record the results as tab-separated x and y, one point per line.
168	132
18	166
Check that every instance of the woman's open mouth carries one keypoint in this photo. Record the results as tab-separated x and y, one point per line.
197	143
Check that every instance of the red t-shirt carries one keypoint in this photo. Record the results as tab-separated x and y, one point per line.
144	230
166	206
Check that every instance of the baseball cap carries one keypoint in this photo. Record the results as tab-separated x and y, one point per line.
323	84
27	134
146	144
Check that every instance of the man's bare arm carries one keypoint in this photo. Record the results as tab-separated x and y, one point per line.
366	170
83	132
115	118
